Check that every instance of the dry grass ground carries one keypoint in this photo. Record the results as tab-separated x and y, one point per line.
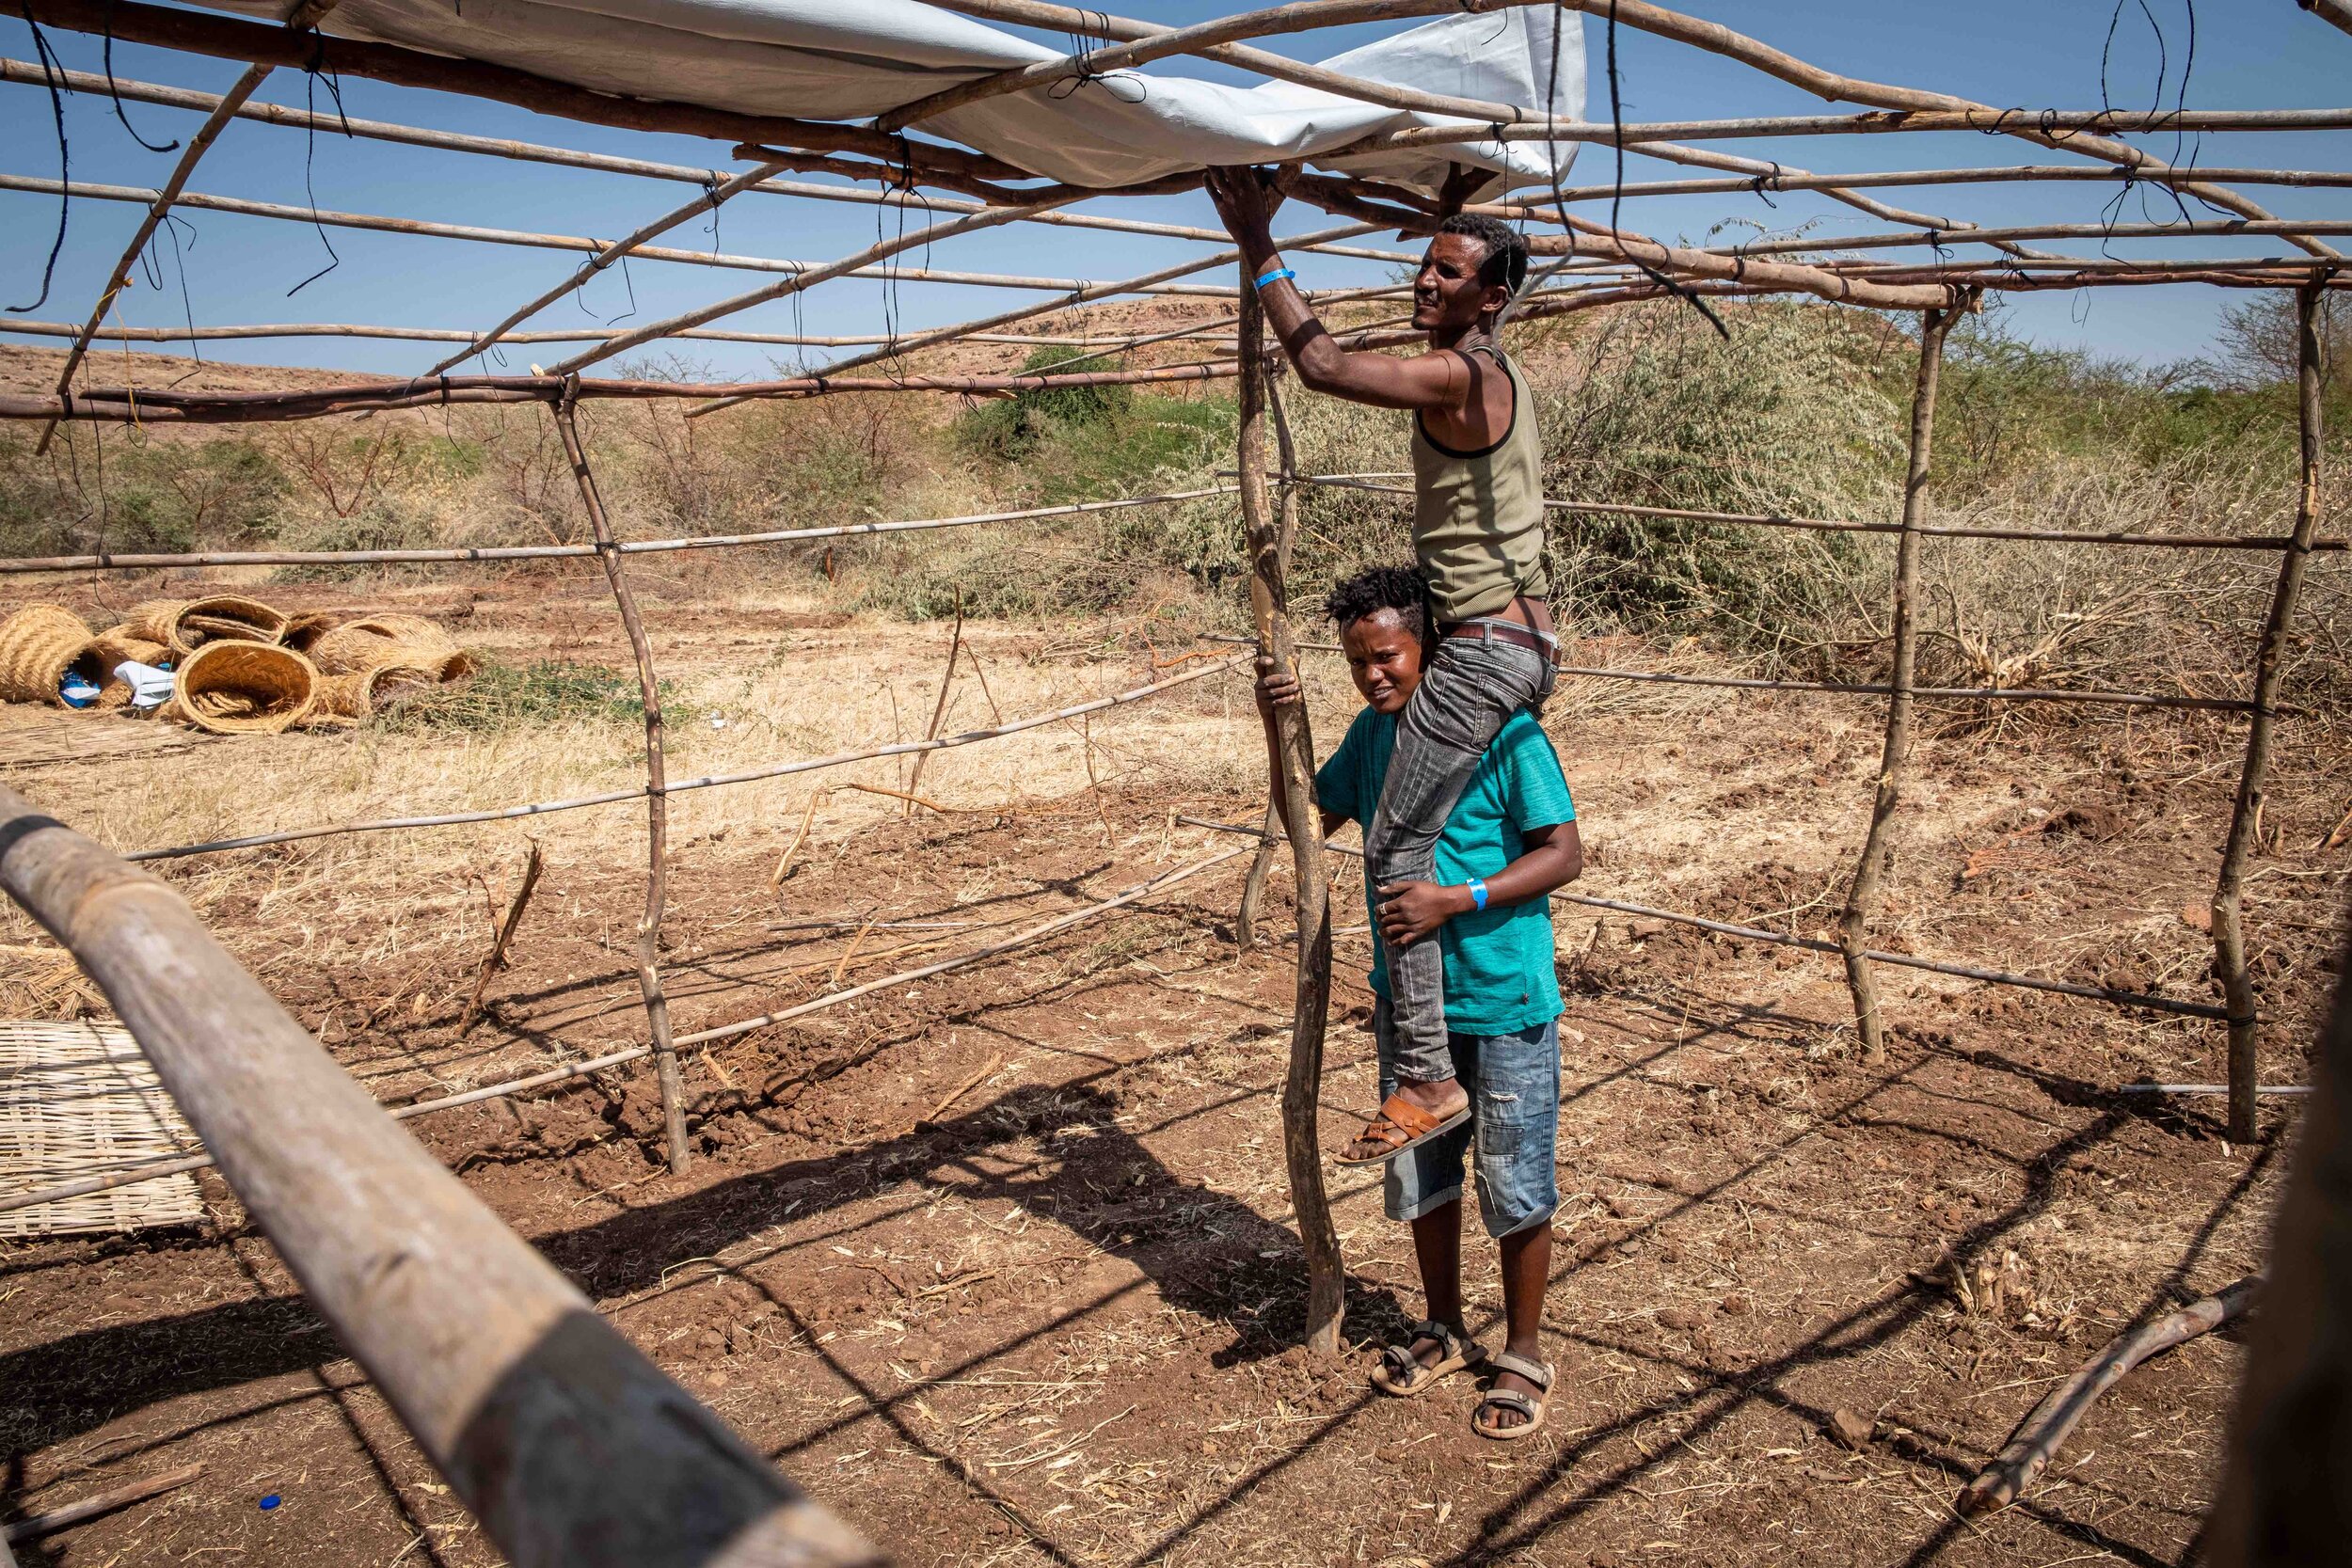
1044	1320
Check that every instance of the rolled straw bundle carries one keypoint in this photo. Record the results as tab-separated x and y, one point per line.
306	628
186	625
38	645
150	620
117	643
235	687
373	639
223	618
364	694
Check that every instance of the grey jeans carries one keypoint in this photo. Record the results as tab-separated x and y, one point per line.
1469	689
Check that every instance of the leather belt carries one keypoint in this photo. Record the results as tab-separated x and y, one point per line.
1502	631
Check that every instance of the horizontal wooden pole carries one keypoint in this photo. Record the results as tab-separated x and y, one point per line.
1838	525
562	1438
680	787
1811	945
2047	121
27	73
148	562
428	228
156	407
585	335
1766	181
571	1070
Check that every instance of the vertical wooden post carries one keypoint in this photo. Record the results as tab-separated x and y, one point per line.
1294	758
2228	928
1853	927
1261	864
657	794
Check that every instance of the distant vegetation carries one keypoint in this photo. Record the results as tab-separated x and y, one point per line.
1803	411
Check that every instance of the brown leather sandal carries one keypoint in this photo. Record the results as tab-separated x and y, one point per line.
1400	1126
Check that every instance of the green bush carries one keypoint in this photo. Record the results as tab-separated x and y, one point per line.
502	696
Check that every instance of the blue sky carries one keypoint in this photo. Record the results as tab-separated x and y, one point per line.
238	269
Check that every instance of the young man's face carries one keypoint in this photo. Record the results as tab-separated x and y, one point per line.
1384	659
1447	293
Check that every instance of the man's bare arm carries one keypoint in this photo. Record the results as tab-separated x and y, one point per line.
1437	380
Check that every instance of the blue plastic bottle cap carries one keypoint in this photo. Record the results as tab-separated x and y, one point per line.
271	1501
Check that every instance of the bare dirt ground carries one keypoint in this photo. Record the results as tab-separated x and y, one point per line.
999	1264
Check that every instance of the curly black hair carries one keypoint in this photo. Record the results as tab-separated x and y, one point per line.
1505	262
1402	589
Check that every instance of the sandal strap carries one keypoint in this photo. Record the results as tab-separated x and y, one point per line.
1510	1399
1451	1343
1538	1372
1405	1116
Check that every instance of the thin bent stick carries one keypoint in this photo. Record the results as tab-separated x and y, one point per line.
503	940
2229	931
656	798
1853	925
1294	758
938	712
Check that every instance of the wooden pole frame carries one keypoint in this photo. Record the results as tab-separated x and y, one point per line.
2229	929
1294	759
1853	925
656	798
570	1447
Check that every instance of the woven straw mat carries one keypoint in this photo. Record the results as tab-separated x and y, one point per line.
38	644
79	1100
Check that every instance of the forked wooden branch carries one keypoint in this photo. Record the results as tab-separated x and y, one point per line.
939	714
1294	761
2043	1432
656	795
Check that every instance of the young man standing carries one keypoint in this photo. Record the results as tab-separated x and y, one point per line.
1478	532
1509	839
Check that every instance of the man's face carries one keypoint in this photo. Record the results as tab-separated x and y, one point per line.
1383	659
1447	293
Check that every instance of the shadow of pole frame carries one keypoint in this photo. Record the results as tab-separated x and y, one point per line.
567	1444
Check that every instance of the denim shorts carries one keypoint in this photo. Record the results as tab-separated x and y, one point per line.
1513	1134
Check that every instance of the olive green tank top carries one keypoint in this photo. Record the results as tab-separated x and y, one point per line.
1478	516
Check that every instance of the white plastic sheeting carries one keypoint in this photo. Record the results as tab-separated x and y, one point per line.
854	59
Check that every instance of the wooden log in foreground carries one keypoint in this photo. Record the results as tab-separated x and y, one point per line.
2038	1436
567	1443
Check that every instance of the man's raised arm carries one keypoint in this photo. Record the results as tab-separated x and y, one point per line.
1435	380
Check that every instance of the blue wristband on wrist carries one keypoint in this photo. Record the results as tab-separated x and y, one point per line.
1275	275
1478	892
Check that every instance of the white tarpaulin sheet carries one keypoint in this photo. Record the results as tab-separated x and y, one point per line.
853	59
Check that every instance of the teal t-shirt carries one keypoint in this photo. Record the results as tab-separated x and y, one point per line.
1499	965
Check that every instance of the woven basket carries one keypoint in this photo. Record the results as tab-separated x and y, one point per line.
150	620
364	694
225	618
117	643
38	645
374	640
245	688
306	627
